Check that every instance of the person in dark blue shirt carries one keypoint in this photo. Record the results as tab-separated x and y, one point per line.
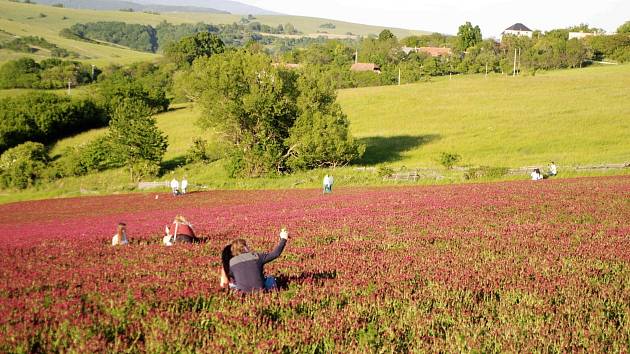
246	267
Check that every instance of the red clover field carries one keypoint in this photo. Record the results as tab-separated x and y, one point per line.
499	267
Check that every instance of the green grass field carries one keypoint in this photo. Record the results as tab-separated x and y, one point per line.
25	20
573	117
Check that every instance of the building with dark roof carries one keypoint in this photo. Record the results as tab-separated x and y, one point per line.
518	29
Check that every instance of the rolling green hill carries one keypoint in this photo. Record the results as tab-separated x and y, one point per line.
46	21
575	117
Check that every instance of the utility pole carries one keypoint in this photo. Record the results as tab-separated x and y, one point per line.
356	56
69	84
514	66
399	76
92	72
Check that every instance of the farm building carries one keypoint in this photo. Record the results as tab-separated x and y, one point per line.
518	29
580	35
366	67
432	51
287	65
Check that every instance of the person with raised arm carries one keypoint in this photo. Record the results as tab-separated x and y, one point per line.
247	267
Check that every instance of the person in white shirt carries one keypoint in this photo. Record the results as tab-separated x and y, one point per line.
175	186
536	175
553	169
120	237
326	184
184	185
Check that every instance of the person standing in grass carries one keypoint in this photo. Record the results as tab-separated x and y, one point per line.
326	184
184	185
331	180
175	186
120	237
553	169
246	267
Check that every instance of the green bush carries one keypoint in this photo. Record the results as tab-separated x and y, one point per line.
23	165
97	155
448	159
201	151
48	74
384	171
45	117
485	172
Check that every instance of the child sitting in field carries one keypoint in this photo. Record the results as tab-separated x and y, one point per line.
120	237
182	232
536	175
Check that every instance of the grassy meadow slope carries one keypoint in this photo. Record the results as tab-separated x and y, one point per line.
574	117
25	20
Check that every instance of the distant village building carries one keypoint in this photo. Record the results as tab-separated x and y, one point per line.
366	67
580	35
518	29
286	65
432	51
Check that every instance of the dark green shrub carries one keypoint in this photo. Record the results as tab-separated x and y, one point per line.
201	151
45	117
486	172
448	159
384	171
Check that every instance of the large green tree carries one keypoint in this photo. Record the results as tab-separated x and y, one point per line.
320	136
625	28
249	103
136	138
272	121
468	36
202	44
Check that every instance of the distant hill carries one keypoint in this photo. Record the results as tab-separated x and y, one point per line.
135	6
46	21
224	5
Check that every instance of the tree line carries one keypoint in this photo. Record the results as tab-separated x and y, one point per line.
47	74
154	39
32	44
273	120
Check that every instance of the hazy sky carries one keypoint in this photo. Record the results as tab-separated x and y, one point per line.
445	16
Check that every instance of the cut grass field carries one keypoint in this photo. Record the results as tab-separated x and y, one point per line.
573	117
25	20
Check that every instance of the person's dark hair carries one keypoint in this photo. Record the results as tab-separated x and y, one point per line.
238	247
226	255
